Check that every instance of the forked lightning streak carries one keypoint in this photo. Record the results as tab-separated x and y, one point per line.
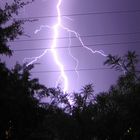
55	29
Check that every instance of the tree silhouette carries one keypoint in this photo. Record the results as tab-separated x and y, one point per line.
125	95
20	113
10	28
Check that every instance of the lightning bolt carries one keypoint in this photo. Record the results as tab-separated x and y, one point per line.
55	29
73	57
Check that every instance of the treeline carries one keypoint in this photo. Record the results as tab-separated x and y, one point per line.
110	115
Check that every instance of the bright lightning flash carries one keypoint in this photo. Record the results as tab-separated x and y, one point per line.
55	29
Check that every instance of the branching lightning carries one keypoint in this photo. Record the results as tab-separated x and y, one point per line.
73	57
34	59
53	47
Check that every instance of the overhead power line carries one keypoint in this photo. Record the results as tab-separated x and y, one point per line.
71	70
79	46
84	14
82	36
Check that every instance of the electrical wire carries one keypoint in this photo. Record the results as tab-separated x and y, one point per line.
78	46
71	70
84	14
84	36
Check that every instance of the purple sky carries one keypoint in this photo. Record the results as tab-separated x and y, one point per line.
110	27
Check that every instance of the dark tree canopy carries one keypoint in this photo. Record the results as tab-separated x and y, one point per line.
20	113
10	28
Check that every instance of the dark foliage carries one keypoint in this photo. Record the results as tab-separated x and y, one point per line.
109	115
10	28
20	113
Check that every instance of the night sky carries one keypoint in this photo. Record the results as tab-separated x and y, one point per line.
109	25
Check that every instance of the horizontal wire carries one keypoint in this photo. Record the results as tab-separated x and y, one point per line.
72	70
83	14
86	36
78	46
